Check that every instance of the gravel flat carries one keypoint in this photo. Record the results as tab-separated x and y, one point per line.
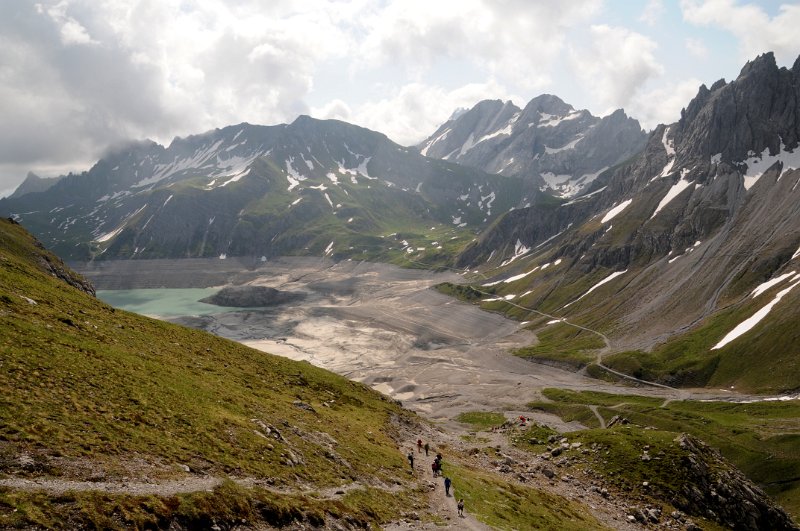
374	323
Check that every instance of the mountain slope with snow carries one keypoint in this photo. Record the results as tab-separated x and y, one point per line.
686	259
561	149
310	187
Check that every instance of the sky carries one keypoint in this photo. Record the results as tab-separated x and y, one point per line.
79	76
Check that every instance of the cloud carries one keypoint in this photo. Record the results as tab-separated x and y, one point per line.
617	64
652	12
514	40
696	47
755	30
79	75
662	105
414	111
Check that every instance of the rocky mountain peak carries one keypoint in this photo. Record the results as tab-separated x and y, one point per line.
548	103
738	120
32	184
548	142
759	66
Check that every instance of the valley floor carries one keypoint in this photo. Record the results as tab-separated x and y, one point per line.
380	325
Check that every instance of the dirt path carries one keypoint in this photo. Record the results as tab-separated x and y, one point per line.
598	415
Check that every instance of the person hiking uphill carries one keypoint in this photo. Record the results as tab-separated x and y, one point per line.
447	484
419	445
411	460
461	507
427	447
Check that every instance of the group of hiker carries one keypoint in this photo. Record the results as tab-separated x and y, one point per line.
436	466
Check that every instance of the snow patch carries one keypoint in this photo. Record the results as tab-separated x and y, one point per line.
616	210
768	284
424	151
673	192
468	144
505	131
748	324
552	120
669	146
236	177
517	277
565	147
758	164
583	197
609	278
110	235
520	250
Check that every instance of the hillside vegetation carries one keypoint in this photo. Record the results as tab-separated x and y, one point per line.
91	393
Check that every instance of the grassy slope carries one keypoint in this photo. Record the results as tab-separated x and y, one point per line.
81	380
84	383
764	360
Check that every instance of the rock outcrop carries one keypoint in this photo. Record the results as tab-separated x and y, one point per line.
252	297
720	492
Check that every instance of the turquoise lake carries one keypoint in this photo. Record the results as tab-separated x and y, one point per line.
163	302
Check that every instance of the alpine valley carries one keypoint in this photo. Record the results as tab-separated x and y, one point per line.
661	267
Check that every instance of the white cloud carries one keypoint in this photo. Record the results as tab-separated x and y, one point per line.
617	64
72	32
79	74
414	111
756	31
333	110
652	12
662	105
696	47
515	40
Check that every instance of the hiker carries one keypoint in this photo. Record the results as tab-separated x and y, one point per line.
461	507
447	484
419	445
434	467
411	460
427	447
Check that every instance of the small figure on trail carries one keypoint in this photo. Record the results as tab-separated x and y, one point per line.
437	465
461	507
419	445
435	468
447	484
411	460
427	447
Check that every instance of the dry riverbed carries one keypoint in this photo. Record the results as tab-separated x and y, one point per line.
374	323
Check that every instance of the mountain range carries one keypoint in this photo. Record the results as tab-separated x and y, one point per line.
666	246
684	258
561	149
309	187
669	258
